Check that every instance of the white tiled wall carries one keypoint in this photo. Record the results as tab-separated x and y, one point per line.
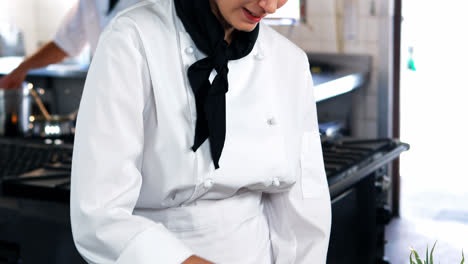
20	14
38	19
319	35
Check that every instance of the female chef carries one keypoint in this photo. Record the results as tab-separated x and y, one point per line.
197	141
82	24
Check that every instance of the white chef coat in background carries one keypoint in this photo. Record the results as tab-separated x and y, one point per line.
140	195
84	23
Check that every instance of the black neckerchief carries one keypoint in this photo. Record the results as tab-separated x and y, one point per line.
112	4
208	34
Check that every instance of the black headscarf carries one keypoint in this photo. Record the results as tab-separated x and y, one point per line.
208	34
112	4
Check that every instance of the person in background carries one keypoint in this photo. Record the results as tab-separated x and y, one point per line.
197	141
82	24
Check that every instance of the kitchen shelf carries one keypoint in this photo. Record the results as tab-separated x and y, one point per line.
337	74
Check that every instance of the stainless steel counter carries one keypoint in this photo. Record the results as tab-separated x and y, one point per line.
8	64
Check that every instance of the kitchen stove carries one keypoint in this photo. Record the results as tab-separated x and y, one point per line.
42	171
359	189
356	172
347	161
34	169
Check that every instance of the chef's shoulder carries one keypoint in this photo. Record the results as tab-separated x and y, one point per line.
283	50
149	15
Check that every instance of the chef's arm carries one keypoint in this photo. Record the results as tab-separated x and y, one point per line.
48	54
69	40
300	219
108	155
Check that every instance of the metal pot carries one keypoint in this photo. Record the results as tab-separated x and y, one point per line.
15	110
58	126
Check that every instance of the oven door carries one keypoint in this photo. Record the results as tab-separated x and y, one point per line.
353	236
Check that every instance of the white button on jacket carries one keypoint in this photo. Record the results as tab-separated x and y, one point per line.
208	183
84	23
133	162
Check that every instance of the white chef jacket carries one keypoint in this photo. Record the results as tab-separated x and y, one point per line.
84	23
140	195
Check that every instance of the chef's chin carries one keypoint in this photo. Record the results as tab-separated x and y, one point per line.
247	27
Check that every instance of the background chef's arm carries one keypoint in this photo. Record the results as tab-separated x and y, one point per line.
48	54
107	159
69	41
300	220
71	35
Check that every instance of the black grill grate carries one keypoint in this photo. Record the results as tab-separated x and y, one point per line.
42	171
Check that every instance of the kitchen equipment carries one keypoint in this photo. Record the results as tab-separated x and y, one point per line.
331	129
39	103
347	161
17	117
50	126
57	126
39	171
35	168
15	110
19	155
357	175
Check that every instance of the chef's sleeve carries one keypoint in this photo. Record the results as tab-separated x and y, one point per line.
71	35
300	219
107	159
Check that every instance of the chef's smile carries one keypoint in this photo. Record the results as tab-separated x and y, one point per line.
244	15
251	16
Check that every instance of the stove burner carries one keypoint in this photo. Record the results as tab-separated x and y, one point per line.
43	171
35	170
343	155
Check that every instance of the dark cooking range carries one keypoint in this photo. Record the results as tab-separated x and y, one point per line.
356	172
37	170
359	187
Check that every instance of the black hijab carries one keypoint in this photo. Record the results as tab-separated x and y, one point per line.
208	34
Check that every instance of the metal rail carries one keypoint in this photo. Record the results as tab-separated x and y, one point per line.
344	184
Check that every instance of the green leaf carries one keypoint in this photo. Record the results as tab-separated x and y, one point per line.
417	257
411	258
427	256
463	260
432	251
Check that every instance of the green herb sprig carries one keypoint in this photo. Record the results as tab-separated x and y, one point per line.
429	260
